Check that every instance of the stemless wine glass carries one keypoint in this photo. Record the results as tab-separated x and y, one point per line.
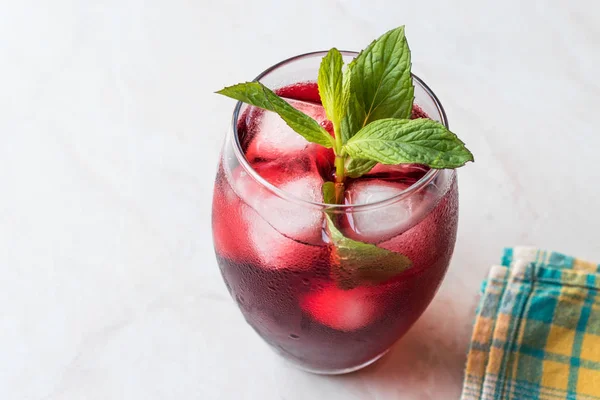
276	256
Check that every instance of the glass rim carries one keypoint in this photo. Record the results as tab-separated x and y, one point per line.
239	153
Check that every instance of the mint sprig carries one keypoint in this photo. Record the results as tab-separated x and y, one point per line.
369	104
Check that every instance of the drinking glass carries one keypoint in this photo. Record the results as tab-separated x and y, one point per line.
276	256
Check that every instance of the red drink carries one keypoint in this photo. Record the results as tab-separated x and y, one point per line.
276	255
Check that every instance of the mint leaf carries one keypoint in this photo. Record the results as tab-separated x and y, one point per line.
381	79
353	119
418	141
362	263
357	167
358	263
354	114
330	86
258	95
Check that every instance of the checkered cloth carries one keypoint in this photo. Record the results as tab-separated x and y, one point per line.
537	330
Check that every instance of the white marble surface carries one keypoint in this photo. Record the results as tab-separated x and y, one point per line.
110	136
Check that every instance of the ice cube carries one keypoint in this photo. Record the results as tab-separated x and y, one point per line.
344	310
242	235
273	250
273	139
430	241
383	222
298	222
282	171
254	225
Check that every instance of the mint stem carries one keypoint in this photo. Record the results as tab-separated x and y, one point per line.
340	176
340	173
340	165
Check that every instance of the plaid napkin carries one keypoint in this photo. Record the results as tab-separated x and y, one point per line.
537	330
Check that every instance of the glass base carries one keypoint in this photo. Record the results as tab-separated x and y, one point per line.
339	371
